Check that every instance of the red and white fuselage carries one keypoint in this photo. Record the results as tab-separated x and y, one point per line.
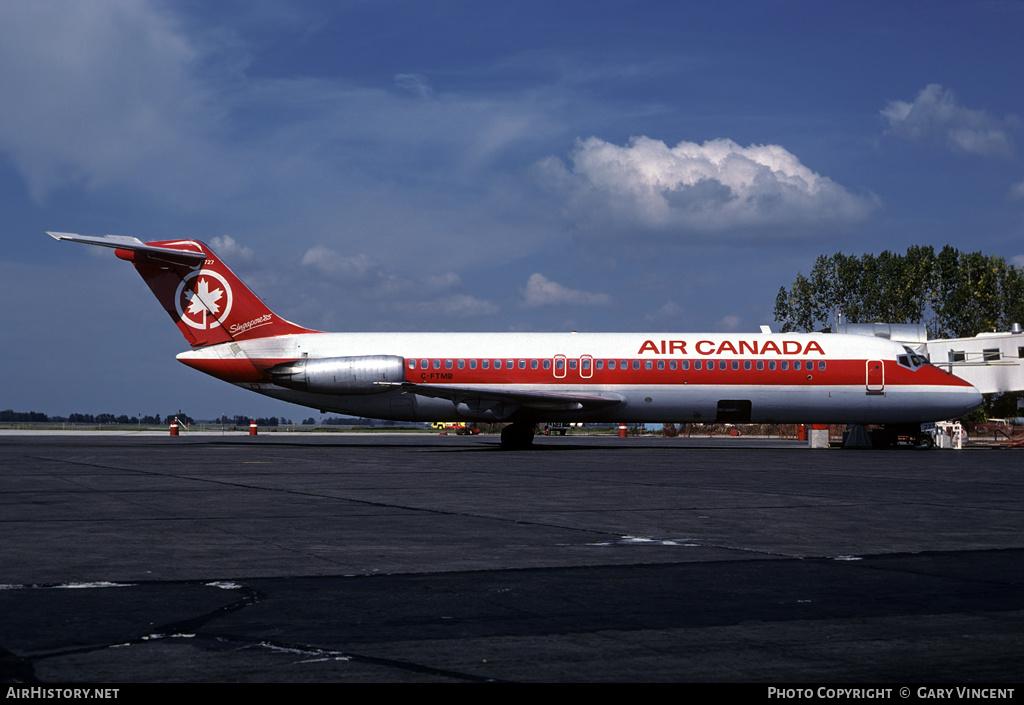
780	378
530	377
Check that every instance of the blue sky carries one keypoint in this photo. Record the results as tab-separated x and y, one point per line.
390	165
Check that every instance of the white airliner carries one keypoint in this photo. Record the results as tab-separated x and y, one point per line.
526	378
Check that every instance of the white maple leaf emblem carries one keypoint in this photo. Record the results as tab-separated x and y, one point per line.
202	299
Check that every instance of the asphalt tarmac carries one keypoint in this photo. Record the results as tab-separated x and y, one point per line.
391	558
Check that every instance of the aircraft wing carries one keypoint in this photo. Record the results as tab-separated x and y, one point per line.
124	242
481	399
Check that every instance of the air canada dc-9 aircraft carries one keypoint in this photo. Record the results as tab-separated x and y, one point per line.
528	378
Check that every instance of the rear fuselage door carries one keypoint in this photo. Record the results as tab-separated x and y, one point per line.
586	366
559	367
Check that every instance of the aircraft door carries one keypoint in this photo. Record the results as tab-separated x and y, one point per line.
875	376
559	366
586	366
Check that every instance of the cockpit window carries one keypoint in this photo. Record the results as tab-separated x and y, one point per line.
911	360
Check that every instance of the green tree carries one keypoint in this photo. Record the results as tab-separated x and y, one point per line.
795	307
954	294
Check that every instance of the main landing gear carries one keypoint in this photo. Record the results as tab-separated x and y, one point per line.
517	436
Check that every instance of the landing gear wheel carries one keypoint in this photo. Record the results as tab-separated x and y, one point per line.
517	436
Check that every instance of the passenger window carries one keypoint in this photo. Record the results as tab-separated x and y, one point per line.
636	364
735	364
722	364
447	364
821	365
437	364
785	365
522	364
771	364
686	365
472	364
485	364
746	364
796	364
533	364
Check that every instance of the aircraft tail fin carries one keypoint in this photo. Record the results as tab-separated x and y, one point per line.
206	300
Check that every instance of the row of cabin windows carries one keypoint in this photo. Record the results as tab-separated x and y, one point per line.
585	364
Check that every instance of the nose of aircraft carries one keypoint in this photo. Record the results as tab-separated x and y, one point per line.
956	401
958	397
973	401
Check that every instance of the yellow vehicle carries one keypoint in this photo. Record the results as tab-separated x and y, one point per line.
459	428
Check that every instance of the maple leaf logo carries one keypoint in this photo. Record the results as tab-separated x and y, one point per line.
202	299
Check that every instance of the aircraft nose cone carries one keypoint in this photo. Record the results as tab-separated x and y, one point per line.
960	403
975	400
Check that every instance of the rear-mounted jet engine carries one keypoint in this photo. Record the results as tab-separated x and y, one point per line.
340	375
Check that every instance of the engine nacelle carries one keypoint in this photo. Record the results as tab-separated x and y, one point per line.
340	375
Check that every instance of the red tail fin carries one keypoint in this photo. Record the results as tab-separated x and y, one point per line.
205	298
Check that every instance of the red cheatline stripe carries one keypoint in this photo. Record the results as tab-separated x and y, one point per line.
836	372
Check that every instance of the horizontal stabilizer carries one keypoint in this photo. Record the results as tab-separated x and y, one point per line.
124	242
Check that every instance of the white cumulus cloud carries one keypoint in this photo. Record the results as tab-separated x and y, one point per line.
228	249
541	291
728	323
714	186
454	306
936	116
328	262
359	279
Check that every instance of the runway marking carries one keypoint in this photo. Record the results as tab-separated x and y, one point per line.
646	541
